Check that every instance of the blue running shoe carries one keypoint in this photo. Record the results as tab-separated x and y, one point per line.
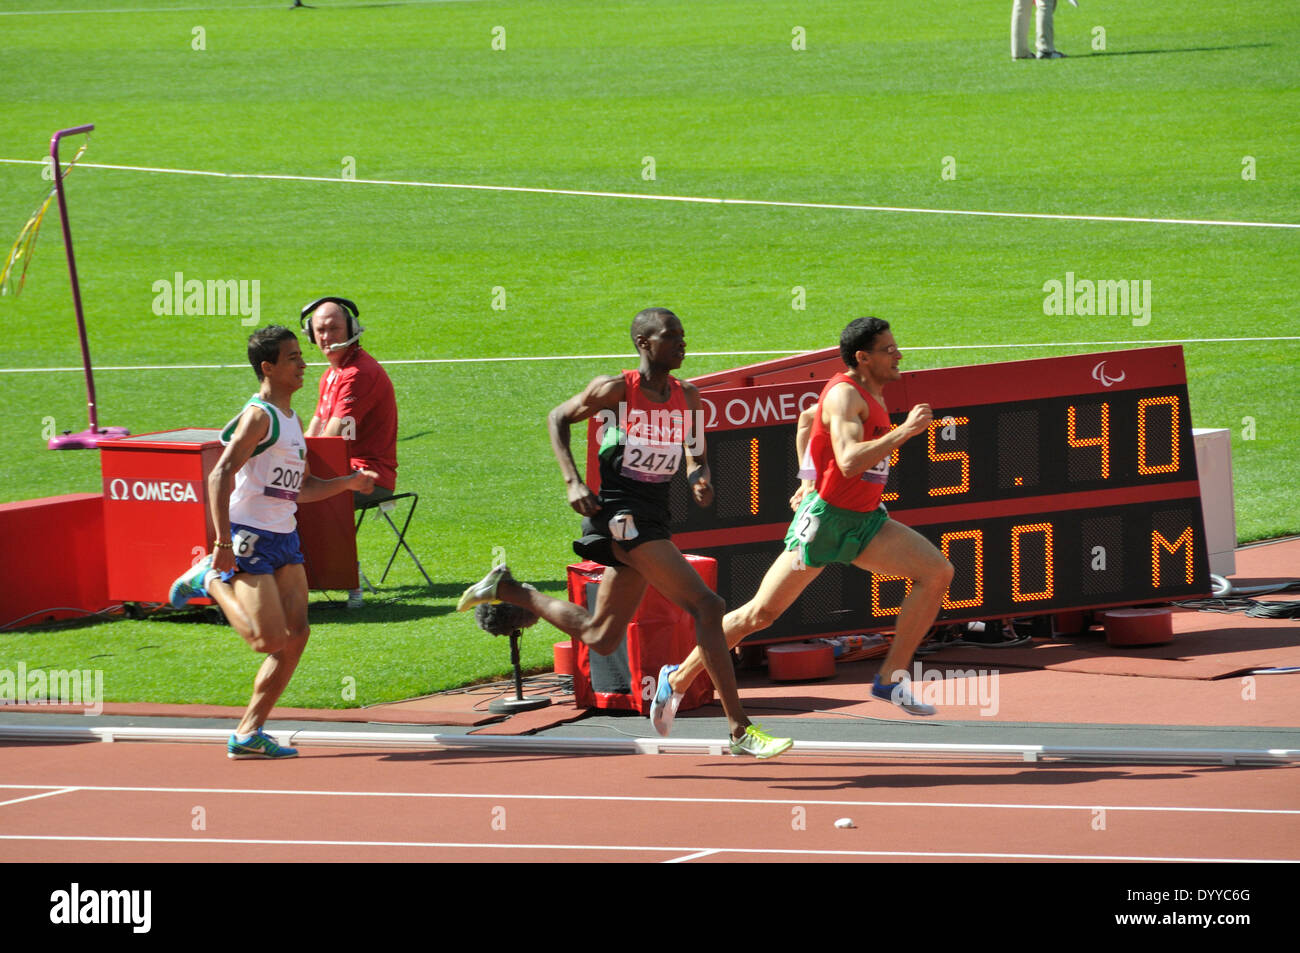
260	745
664	706
897	693
189	584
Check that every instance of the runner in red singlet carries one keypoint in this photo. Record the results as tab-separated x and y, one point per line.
844	443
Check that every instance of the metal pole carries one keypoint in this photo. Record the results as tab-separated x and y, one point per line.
72	267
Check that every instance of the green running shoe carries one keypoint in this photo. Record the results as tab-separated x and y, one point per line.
189	584
759	743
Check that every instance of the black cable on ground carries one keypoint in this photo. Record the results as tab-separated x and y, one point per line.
1236	600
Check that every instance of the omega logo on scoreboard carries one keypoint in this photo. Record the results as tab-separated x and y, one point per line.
1048	485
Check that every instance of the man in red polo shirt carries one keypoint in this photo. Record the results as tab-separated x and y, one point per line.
356	399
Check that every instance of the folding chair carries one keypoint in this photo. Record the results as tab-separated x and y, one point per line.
384	507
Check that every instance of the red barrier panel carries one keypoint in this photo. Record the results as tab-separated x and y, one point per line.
157	521
52	560
325	528
659	634
156	509
66	556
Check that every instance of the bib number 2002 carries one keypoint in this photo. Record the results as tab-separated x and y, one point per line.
286	478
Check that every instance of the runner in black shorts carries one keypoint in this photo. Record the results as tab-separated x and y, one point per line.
650	421
634	506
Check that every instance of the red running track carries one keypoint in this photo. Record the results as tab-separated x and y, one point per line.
190	804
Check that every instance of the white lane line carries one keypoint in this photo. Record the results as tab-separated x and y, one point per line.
290	792
645	197
33	797
689	857
619	357
633	848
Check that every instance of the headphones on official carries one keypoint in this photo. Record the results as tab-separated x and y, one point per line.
350	309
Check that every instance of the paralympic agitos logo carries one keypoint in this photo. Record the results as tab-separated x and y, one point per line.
1101	377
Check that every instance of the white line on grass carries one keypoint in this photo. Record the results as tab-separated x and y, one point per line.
619	357
631	848
214	8
56	13
431	360
641	196
730	801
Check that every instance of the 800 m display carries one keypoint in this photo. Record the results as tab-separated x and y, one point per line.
1051	485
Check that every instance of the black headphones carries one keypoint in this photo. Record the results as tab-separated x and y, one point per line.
354	326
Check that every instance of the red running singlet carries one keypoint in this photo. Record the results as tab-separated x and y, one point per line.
861	493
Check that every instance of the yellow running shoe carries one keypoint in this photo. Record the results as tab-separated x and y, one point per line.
759	743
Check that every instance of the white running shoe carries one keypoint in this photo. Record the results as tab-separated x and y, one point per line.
485	590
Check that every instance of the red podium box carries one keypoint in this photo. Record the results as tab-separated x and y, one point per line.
659	634
156	519
52	561
155	509
325	528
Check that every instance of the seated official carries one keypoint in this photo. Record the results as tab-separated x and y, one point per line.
356	399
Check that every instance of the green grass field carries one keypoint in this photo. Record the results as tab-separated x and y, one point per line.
1186	114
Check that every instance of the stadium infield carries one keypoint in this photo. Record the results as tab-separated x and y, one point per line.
350	110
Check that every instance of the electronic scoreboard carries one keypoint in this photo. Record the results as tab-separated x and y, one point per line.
1051	485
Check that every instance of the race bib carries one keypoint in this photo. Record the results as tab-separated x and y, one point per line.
651	463
807	469
652	449
622	527
879	473
806	529
245	543
285	477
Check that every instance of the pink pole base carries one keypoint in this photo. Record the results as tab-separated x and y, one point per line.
87	439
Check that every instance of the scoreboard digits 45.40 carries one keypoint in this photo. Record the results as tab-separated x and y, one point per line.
1053	484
